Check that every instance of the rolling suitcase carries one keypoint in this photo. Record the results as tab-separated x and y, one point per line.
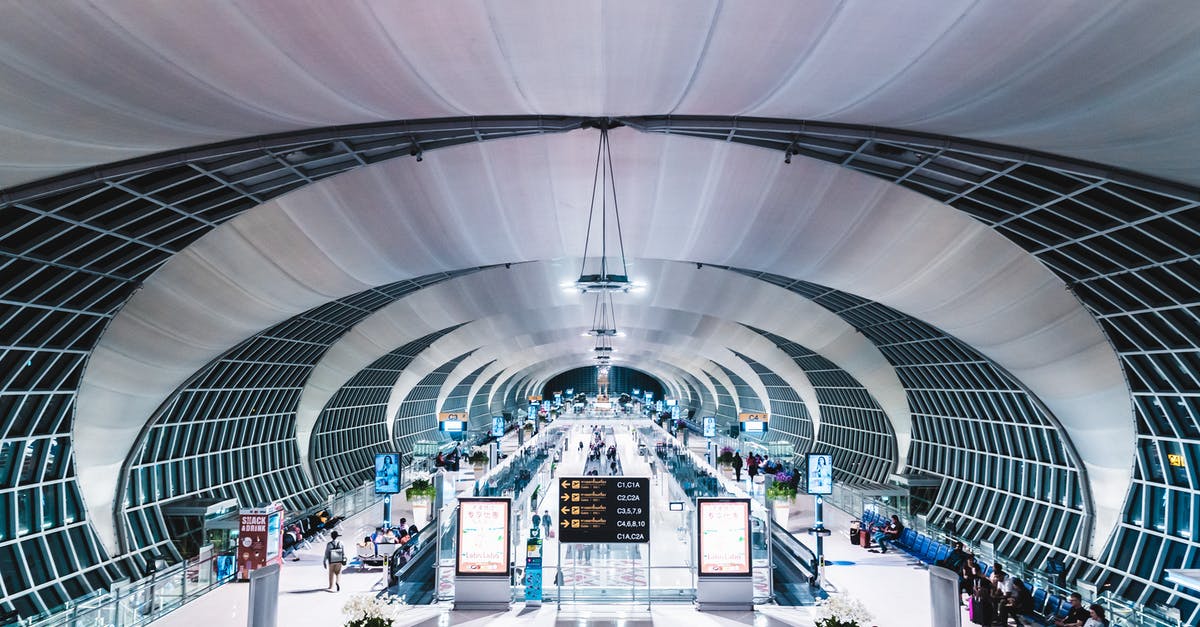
980	610
864	538
854	527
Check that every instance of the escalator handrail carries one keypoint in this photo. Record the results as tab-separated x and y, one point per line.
804	557
426	543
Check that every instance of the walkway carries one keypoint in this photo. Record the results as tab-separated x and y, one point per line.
893	588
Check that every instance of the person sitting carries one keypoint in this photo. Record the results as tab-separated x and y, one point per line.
1002	585
971	579
1077	615
1096	619
955	559
1015	604
889	534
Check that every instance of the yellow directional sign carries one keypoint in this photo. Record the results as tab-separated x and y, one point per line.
605	509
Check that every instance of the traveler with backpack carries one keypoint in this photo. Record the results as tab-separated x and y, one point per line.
335	558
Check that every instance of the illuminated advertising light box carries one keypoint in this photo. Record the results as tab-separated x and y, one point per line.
387	473
820	473
724	537
274	534
482	537
258	546
497	426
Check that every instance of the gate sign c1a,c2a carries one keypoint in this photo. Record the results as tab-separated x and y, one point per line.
604	510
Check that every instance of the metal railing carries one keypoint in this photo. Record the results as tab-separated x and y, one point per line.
166	590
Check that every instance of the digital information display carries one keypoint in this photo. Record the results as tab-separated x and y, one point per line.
452	421
604	510
753	422
820	473
452	426
387	473
482	537
724	536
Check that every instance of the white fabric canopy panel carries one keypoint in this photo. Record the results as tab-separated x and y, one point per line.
652	334
512	200
91	82
530	293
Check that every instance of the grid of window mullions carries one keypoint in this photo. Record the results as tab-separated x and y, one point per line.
480	415
726	410
352	427
853	426
748	399
1001	418
244	444
789	417
457	399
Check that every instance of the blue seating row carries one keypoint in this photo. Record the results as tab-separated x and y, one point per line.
1047	607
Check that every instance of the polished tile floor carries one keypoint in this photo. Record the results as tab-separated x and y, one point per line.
892	587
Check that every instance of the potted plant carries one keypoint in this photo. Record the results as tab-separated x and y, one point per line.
367	610
420	495
725	460
842	612
478	459
781	493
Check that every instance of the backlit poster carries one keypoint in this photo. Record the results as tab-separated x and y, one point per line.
724	536
387	473
482	537
820	473
274	539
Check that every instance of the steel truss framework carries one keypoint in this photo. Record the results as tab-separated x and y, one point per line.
230	431
417	416
73	248
854	428
352	427
789	417
481	405
1008	475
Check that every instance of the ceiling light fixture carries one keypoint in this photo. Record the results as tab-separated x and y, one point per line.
599	277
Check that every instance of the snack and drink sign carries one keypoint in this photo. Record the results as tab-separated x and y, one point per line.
482	536
724	536
259	539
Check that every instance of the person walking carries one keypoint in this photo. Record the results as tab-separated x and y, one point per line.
335	558
737	466
546	523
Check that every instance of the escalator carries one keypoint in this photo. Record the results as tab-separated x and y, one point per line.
793	569
415	580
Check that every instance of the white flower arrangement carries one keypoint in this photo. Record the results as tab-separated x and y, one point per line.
368	610
838	611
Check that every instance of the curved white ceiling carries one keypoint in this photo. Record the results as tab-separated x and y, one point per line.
671	335
688	199
531	292
92	82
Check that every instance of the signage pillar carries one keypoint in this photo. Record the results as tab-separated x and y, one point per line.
533	571
387	511
818	528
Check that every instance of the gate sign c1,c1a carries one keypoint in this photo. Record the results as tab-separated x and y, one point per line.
604	510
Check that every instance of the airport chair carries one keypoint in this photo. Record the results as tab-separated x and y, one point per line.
1052	605
1039	600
